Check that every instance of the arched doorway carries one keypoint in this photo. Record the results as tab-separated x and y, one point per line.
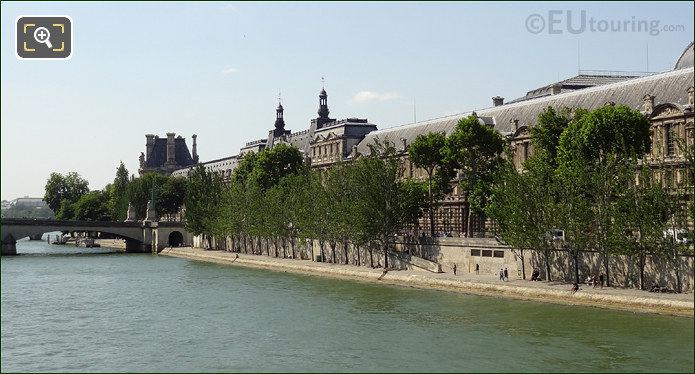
175	239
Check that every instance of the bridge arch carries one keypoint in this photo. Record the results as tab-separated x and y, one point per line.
175	239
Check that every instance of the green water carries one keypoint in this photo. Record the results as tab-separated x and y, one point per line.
99	311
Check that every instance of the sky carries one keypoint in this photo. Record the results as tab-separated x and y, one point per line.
216	69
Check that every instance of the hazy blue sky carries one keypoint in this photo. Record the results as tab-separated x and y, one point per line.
214	69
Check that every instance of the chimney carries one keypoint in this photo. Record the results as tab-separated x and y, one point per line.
149	145
195	148
555	89
648	104
497	101
405	143
171	148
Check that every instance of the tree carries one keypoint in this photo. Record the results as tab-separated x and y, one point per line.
524	207
66	211
171	195
590	151
646	208
315	208
476	150
382	202
142	189
273	164
118	194
551	123
428	152
69	187
203	195
245	167
92	206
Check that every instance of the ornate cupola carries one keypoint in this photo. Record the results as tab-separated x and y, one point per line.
279	121
323	104
323	109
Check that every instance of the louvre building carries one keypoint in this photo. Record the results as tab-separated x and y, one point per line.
666	99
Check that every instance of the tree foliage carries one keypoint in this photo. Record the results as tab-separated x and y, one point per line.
204	193
118	194
59	188
92	206
428	152
476	150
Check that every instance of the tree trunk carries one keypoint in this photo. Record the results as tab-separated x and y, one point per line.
386	254
642	260
209	239
605	267
359	262
284	247
523	265
429	190
292	242
277	254
575	256
333	244
371	256
323	257
345	248
679	287
547	264
467	216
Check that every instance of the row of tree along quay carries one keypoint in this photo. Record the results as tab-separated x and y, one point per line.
586	177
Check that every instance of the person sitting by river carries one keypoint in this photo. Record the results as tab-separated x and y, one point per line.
535	275
655	287
575	288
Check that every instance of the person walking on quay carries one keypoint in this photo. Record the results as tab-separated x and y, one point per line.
502	274
477	269
454	267
600	279
506	275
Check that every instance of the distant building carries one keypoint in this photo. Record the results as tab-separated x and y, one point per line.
29	202
26	207
164	155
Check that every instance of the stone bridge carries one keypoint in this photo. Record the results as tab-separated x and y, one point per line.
139	236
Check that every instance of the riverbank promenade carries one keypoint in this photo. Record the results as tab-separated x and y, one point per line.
488	285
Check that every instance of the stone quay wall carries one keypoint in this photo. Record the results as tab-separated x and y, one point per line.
491	256
306	250
466	253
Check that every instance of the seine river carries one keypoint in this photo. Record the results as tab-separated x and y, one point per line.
100	311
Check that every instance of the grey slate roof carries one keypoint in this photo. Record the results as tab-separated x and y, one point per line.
159	153
669	87
578	82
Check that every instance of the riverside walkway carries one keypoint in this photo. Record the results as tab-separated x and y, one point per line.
489	285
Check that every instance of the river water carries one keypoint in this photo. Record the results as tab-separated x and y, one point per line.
76	309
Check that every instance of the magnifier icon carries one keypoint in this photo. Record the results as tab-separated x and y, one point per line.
42	35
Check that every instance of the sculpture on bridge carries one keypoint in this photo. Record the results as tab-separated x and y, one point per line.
151	214
131	214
